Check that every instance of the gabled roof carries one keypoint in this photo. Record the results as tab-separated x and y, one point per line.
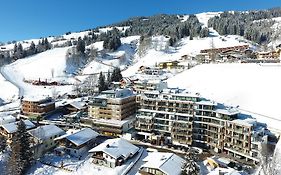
46	131
116	148
13	127
168	163
80	137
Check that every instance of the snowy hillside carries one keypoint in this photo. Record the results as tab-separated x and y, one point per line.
42	66
255	88
122	57
185	47
51	65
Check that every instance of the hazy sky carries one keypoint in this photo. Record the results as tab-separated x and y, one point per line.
26	19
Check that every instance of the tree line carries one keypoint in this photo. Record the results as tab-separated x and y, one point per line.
104	83
253	25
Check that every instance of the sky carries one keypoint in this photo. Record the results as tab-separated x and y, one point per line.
28	19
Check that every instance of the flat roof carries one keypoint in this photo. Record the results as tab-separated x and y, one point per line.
35	98
207	102
228	111
113	122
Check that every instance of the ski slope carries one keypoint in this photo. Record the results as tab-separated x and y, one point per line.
255	88
47	65
8	92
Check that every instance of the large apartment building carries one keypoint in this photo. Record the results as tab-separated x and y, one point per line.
168	113
112	112
31	106
173	115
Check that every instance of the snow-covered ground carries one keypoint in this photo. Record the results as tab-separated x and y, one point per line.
121	58
204	17
255	88
185	47
8	92
83	166
46	65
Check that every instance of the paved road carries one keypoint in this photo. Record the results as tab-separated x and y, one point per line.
134	170
6	76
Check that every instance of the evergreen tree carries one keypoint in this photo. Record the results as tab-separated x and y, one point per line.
18	51
204	32
32	48
80	47
102	84
116	75
46	44
3	143
108	80
190	166
20	158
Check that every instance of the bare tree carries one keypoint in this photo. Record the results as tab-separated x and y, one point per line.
213	53
144	44
52	72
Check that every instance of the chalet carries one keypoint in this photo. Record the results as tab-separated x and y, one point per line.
275	54
203	57
113	152
76	143
162	164
43	139
240	48
8	130
152	71
75	106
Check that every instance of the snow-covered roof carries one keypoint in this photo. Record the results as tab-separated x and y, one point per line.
112	122
7	119
36	98
168	163
248	122
116	93
78	104
13	127
206	102
80	137
228	111
116	148
46	131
